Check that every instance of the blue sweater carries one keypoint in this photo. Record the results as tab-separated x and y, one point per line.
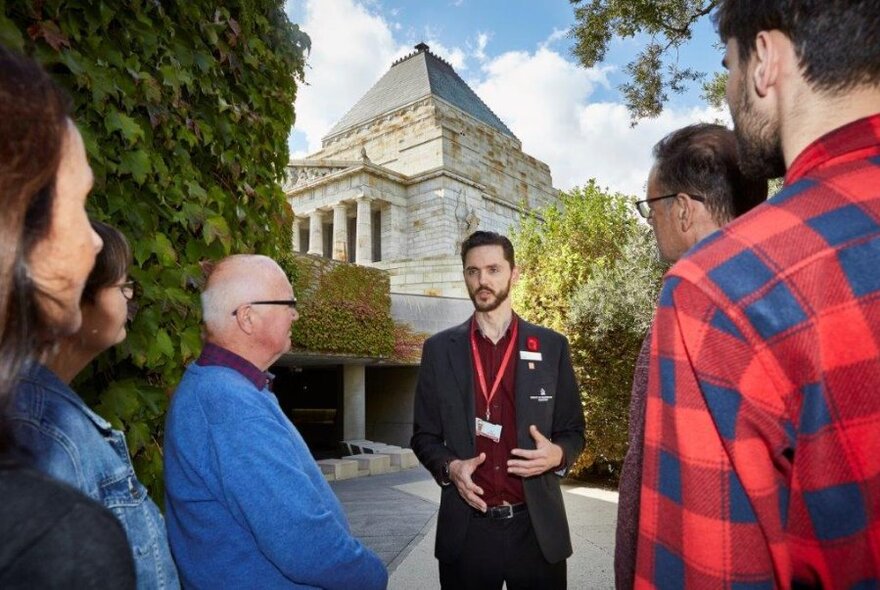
246	505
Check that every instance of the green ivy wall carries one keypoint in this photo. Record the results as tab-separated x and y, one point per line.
185	108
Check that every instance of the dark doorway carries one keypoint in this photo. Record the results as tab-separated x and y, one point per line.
312	399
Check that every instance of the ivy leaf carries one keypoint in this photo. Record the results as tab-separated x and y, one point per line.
196	191
164	249
161	346
138	436
136	163
10	36
117	121
50	33
190	342
216	228
119	403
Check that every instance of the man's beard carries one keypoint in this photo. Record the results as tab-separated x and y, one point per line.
493	304
758	141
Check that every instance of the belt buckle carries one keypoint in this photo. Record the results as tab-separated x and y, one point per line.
499	511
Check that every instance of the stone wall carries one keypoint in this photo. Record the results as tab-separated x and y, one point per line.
429	315
438	276
389	404
488	157
408	140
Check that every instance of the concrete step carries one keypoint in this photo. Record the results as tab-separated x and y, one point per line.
374	464
402	458
338	469
356	446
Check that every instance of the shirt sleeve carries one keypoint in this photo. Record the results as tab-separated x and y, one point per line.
428	439
717	439
297	525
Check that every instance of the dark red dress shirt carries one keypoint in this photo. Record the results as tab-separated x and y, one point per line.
498	486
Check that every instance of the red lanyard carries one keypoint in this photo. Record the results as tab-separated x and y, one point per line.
478	364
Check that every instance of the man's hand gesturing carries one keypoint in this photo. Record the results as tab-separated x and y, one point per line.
545	457
460	472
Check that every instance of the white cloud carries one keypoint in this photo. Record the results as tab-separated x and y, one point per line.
556	35
351	48
480	51
545	100
542	96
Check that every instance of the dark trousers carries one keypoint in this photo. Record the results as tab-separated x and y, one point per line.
498	551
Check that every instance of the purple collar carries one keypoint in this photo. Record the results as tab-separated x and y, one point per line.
219	356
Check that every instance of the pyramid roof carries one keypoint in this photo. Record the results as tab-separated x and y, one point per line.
411	78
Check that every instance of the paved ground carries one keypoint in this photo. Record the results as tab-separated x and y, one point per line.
395	515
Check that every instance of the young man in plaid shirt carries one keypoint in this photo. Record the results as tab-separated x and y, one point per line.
762	429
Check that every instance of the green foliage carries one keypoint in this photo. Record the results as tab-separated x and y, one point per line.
590	271
612	312
580	233
344	308
185	108
715	90
669	25
408	344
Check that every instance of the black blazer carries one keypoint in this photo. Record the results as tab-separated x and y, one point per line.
443	428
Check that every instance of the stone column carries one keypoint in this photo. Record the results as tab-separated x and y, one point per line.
340	233
295	236
364	231
396	233
354	402
316	232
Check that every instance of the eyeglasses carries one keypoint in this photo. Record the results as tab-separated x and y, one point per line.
127	289
646	211
291	303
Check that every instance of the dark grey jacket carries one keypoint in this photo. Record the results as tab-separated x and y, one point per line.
55	537
444	427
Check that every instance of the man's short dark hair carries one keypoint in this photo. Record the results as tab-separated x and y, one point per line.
702	160
487	238
837	42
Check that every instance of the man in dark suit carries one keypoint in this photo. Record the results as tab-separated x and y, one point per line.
497	421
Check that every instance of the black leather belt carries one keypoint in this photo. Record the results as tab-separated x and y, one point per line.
502	512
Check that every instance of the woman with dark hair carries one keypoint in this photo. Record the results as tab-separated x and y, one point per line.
51	536
68	441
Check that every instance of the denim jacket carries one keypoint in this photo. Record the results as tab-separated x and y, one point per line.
68	441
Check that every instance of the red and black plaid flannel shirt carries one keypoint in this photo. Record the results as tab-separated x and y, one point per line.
762	432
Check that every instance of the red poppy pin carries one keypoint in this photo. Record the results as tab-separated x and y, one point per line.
532	344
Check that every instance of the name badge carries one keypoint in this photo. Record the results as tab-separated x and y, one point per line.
530	356
489	430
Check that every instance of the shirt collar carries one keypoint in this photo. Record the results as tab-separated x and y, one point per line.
213	355
862	135
47	379
475	326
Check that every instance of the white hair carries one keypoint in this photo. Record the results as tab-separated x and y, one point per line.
235	280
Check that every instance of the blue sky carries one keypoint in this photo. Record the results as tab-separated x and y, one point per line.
515	54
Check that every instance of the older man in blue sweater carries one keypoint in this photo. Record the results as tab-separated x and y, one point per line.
247	507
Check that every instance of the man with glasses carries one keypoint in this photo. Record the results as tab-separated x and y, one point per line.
246	505
694	188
